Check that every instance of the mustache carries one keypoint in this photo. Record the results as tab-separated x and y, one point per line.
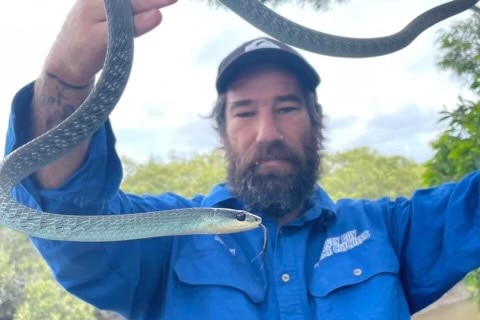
274	150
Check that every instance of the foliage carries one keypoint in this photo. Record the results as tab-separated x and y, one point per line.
45	300
27	289
457	150
186	177
355	173
364	173
471	282
17	268
460	50
10	297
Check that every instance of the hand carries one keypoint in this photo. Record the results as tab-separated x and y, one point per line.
79	51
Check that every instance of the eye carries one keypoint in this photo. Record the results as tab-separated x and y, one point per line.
287	109
241	216
245	114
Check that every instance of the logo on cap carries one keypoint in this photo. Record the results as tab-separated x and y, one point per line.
260	44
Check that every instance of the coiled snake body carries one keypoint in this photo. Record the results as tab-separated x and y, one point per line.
95	110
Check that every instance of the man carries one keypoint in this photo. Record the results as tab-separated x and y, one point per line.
355	259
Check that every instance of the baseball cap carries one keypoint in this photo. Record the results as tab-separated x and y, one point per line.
263	50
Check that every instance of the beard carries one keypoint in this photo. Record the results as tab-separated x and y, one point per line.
275	193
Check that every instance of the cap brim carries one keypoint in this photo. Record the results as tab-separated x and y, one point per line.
306	74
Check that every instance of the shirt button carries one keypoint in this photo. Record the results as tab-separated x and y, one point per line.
285	277
357	272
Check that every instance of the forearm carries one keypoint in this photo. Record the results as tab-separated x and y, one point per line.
54	100
75	58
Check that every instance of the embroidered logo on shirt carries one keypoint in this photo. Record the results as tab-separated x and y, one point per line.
343	243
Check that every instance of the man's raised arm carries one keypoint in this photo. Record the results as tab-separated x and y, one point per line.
69	72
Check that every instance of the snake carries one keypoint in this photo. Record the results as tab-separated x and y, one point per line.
95	110
289	32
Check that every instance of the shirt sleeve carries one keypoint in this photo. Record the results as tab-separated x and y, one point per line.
96	182
436	236
107	275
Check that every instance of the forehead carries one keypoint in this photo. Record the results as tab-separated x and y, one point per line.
262	80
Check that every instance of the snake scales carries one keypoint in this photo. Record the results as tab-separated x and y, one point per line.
95	110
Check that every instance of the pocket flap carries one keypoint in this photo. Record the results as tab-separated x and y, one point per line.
352	267
215	266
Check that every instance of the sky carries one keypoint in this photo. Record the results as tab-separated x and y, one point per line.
390	103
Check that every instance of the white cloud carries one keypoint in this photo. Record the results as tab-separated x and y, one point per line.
174	71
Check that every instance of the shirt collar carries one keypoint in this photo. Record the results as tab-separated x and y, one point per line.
321	206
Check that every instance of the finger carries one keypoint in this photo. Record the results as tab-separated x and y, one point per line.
146	21
140	6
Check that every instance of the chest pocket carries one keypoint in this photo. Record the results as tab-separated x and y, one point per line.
362	281
213	266
352	267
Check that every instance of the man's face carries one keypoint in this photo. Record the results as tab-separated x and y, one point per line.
272	151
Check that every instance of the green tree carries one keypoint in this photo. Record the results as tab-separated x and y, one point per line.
457	149
44	299
10	296
360	172
364	173
27	289
185	176
17	267
460	50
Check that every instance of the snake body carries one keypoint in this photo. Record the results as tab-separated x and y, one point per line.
91	115
273	24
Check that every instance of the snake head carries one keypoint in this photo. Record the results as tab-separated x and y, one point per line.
247	217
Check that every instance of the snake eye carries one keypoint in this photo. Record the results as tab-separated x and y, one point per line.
241	216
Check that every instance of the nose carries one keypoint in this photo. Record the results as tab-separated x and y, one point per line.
268	128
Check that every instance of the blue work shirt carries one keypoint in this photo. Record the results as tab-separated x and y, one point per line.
354	259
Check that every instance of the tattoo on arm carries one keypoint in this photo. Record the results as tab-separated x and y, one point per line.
63	100
58	115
